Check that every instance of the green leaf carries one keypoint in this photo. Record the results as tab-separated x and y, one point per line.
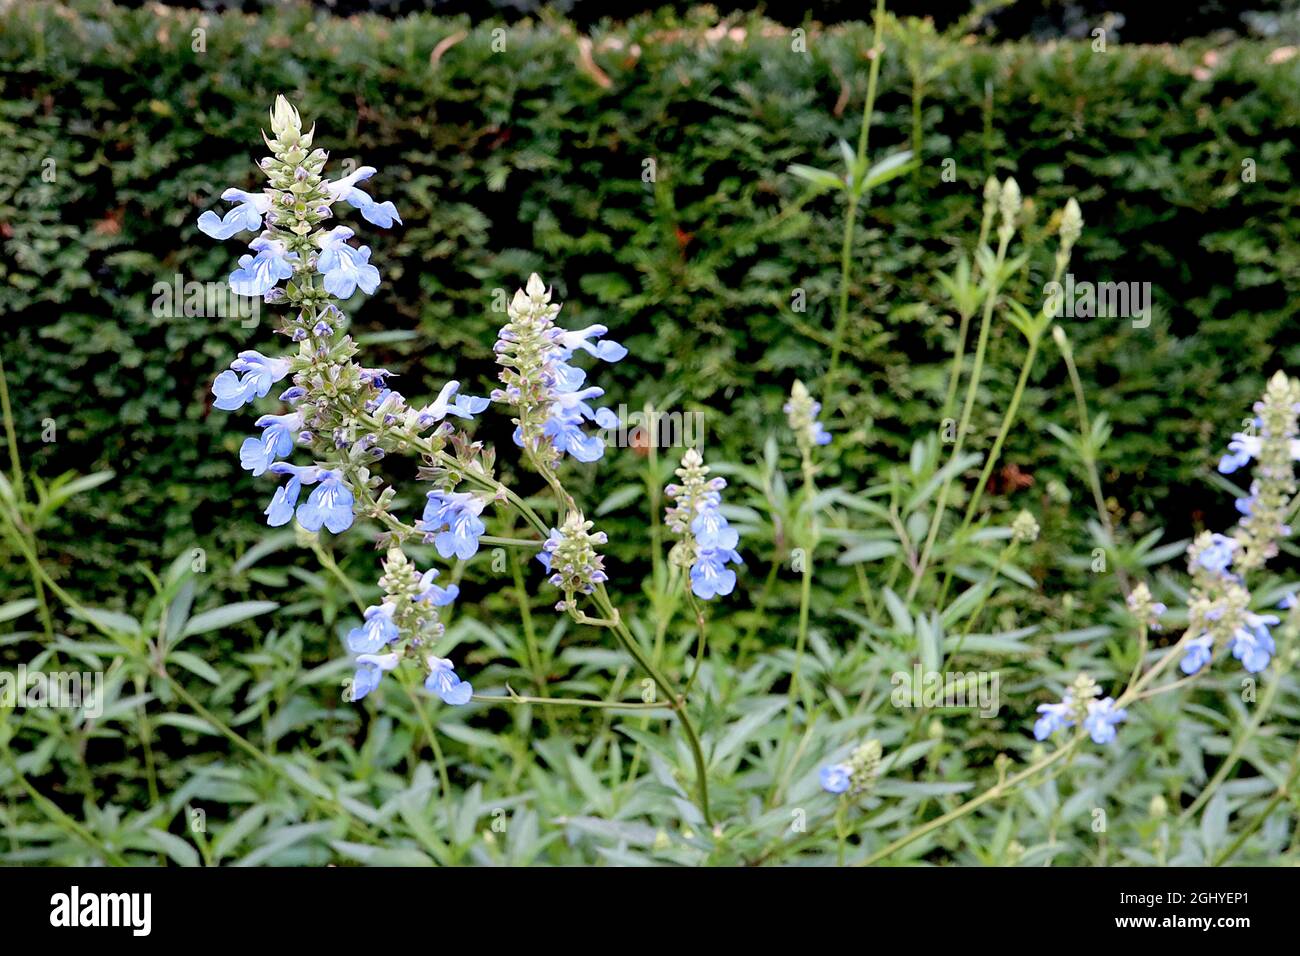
225	616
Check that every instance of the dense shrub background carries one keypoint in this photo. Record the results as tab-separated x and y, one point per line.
508	162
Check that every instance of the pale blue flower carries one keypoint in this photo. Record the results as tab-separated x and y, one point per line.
710	576
711	529
1218	554
1252	644
1102	718
258	454
370	670
1198	653
245	217
250	376
344	267
377	630
451	519
1054	717
257	275
434	594
449	402
442	680
280	510
382	214
564	429
606	351
836	778
330	504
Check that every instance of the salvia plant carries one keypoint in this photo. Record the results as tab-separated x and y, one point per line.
341	420
338	421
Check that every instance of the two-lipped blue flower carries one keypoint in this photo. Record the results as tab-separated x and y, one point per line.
1054	717
450	402
258	454
258	274
451	519
442	680
606	351
329	505
343	266
1102	719
382	214
1252	644
376	630
370	670
245	217
435	594
710	576
1197	654
250	376
1218	554
836	778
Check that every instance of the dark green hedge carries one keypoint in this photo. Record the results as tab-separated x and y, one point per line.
508	162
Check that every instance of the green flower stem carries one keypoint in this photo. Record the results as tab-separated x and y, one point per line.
805	584
1005	429
530	640
977	370
20	494
678	704
851	213
1247	734
959	353
570	702
427	726
1085	447
701	646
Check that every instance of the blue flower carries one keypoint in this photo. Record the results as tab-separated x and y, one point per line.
330	504
606	351
433	593
1054	717
1102	718
245	217
442	680
710	575
258	454
1252	644
1198	654
285	499
458	513
233	391
836	778
344	267
382	214
370	669
449	402
711	529
1217	555
377	630
564	429
257	275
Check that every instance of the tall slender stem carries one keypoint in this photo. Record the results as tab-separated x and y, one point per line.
851	212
